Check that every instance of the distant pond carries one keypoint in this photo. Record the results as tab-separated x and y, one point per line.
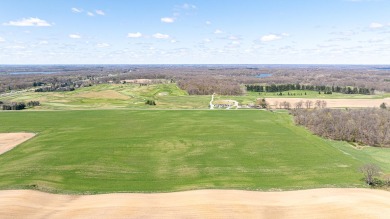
263	75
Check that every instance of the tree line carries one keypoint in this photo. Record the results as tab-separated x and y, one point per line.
18	105
320	88
362	126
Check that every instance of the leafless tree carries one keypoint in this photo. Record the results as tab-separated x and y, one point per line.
370	171
323	104
286	104
363	126
308	104
298	105
318	104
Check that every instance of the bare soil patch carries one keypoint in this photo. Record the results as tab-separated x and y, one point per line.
335	103
316	203
11	140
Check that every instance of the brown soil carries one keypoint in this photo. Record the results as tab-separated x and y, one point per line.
335	103
11	140
317	203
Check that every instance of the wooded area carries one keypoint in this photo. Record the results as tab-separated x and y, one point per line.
363	126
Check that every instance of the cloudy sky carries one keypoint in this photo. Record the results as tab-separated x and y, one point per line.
195	32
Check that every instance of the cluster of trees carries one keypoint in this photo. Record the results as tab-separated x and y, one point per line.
308	104
18	105
150	102
321	88
363	126
33	103
55	88
209	85
14	106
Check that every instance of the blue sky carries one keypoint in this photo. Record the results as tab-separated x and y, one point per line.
195	32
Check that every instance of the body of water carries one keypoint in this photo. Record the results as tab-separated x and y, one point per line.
263	75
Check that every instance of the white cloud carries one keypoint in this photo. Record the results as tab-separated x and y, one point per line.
28	22
2	39
74	36
188	6
43	42
100	12
160	36
90	14
16	47
208	22
273	37
77	10
102	45
218	31
134	35
167	20
375	25
207	40
173	41
233	38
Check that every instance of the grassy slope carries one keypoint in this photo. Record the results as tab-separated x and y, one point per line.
148	151
113	96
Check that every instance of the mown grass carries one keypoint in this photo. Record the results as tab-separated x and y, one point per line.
103	151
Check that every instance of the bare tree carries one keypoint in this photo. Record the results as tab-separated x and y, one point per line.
298	105
318	104
370	171
323	104
286	104
308	104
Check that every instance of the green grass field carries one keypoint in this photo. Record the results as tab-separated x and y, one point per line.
103	151
132	96
114	96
